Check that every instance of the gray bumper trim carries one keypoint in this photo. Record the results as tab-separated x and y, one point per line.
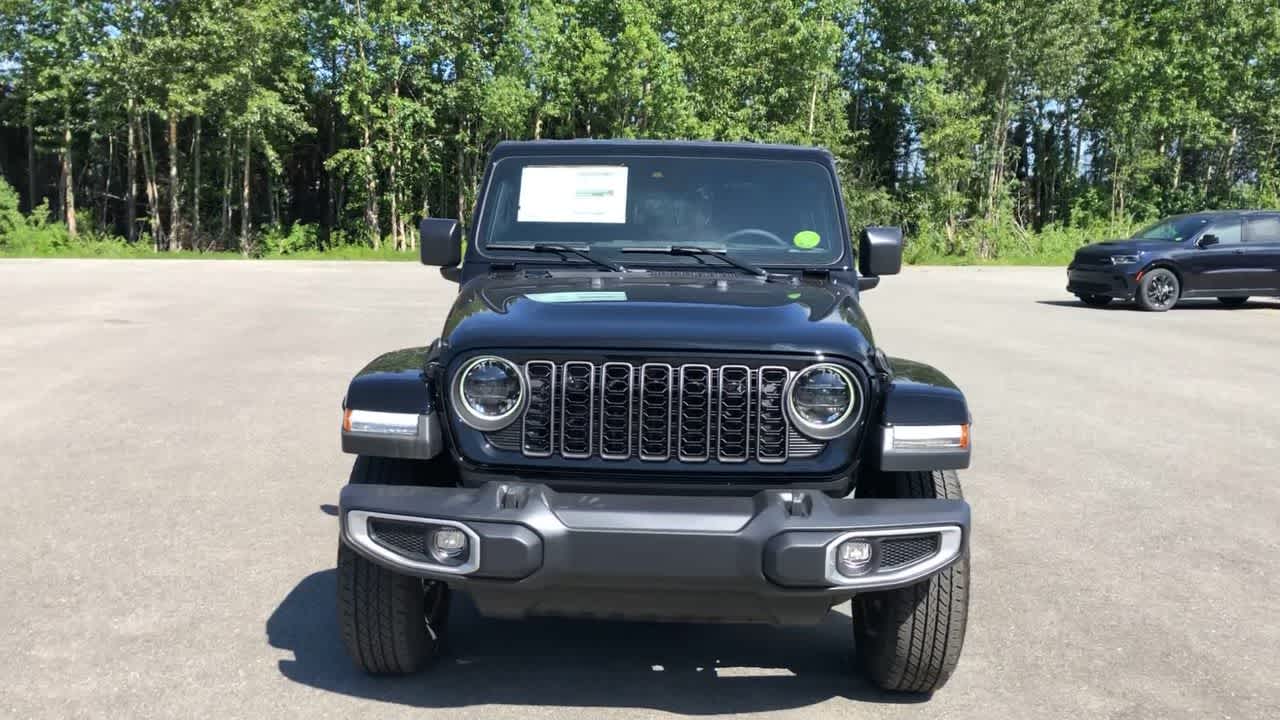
768	546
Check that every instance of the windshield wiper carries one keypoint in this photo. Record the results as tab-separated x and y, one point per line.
581	252
695	251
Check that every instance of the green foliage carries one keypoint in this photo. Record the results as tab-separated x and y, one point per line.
991	130
10	216
296	238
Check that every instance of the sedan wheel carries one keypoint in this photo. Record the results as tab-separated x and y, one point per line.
1159	290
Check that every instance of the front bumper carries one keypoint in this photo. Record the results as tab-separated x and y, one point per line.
768	557
1116	282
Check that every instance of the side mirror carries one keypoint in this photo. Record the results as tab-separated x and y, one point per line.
1207	240
441	242
880	251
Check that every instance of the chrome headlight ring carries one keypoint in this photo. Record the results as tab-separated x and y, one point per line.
842	424
480	421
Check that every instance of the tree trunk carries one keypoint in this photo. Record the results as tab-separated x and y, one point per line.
999	133
228	171
366	143
69	191
370	191
1177	163
106	184
32	170
461	170
397	237
244	194
1231	152
195	185
131	181
272	205
813	106
153	190
175	219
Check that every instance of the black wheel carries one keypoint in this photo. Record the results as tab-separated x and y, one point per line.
1159	290
1095	300
1233	301
392	624
909	639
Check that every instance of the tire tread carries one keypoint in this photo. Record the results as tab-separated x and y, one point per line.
911	640
382	614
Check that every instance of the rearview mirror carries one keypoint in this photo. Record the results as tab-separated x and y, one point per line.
441	242
880	251
1208	239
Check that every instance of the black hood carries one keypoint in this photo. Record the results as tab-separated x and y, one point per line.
658	311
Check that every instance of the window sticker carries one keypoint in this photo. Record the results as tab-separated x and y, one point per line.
806	240
573	194
581	296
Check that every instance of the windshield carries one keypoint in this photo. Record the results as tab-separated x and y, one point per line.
1175	229
766	212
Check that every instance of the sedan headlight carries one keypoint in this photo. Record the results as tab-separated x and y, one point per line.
1124	259
489	393
823	401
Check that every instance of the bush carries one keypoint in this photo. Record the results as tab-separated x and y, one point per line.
298	237
10	216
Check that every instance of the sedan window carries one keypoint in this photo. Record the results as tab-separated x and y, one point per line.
1264	229
1174	229
1227	230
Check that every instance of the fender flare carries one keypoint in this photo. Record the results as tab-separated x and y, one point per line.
390	408
922	398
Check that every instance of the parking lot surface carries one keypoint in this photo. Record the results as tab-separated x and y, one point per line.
170	465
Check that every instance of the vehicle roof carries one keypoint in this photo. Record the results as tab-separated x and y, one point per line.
1220	213
681	148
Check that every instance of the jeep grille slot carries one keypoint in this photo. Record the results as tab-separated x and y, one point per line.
577	399
615	411
771	421
537	428
656	412
735	409
694	428
656	391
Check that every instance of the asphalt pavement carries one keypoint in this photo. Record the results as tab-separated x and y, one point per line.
169	465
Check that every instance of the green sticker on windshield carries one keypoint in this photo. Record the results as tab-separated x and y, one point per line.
806	240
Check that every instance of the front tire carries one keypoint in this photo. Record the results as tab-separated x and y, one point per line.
1233	302
909	639
1159	290
392	624
1095	300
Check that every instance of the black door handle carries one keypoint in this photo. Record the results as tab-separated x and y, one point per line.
1239	251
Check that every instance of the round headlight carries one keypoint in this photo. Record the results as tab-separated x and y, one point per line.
488	393
823	402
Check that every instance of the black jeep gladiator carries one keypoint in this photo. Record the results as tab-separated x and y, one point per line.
657	397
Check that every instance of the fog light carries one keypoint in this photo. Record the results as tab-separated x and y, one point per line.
853	557
448	545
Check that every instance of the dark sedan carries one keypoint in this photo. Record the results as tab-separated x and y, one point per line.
1228	255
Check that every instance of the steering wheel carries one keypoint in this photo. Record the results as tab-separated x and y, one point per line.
753	232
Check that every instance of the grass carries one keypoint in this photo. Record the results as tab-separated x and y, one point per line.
363	253
23	238
93	247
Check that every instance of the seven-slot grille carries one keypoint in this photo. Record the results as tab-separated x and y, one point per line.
656	412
